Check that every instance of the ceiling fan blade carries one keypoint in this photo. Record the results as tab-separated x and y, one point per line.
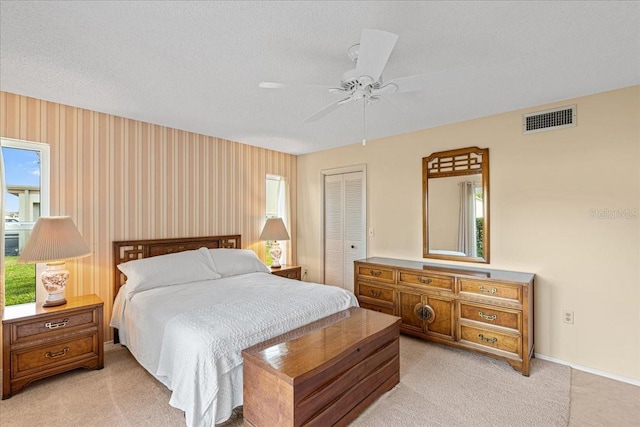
373	53
278	85
435	80
326	110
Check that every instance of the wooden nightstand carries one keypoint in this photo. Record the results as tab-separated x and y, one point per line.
288	271
39	342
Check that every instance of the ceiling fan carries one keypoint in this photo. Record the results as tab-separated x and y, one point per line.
365	81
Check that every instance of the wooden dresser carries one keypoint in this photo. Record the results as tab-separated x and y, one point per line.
324	373
42	341
483	310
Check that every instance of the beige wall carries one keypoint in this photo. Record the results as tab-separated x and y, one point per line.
121	179
545	190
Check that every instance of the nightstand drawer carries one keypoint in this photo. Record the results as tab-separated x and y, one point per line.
288	271
50	324
25	362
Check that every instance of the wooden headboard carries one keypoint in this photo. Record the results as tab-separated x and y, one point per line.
128	250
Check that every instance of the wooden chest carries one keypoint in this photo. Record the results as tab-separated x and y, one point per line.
325	373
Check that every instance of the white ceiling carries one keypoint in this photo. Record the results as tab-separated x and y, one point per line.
196	65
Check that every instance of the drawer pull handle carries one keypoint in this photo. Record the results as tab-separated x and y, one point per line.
374	293
57	325
424	312
489	340
375	273
487	317
488	291
424	280
58	354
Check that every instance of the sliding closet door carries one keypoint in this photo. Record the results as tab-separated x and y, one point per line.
344	225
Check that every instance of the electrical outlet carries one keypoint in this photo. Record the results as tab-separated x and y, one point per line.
305	272
567	317
372	232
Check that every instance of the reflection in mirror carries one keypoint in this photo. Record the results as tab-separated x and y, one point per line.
456	205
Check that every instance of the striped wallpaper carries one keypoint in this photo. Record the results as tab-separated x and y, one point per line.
123	179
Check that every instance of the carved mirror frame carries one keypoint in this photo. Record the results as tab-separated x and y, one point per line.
453	163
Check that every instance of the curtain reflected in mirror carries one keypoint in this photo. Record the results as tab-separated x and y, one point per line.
455	209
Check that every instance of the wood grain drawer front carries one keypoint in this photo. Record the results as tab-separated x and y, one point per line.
29	330
378	308
349	386
415	278
511	319
491	289
49	355
375	292
511	343
382	274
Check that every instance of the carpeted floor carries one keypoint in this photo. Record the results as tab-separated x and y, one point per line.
439	386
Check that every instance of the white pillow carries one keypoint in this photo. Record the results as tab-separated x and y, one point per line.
170	269
231	262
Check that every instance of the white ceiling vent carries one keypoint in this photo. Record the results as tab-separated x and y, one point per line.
556	118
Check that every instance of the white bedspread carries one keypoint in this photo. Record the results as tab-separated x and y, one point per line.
190	336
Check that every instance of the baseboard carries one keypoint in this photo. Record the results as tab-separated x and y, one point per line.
590	370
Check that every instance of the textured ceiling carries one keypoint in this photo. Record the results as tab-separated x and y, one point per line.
196	65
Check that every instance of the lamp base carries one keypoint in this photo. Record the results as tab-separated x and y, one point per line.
54	280
54	303
276	253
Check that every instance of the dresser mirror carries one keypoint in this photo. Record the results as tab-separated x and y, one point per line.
455	205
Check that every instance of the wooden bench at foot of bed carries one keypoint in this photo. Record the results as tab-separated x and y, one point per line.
325	373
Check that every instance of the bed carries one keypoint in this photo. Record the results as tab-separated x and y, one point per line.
186	308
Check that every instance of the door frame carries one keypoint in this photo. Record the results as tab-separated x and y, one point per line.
339	171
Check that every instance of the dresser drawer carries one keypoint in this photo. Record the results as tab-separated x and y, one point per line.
374	272
491	289
42	327
36	359
511	343
378	308
414	278
375	292
491	316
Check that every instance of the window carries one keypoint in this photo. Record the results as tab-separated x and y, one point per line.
277	206
26	198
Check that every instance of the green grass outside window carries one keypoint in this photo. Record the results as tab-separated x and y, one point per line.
19	283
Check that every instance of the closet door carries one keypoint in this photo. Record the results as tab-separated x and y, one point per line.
345	226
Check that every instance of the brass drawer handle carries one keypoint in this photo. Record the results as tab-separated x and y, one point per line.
374	293
487	317
424	280
424	312
57	324
58	354
375	273
489	340
488	291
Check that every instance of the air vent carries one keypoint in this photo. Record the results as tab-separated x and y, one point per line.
557	118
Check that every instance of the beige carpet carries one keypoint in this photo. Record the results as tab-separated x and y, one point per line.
439	386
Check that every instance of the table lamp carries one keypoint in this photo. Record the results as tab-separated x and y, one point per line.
54	240
275	230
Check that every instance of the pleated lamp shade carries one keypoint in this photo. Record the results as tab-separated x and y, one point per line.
54	238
